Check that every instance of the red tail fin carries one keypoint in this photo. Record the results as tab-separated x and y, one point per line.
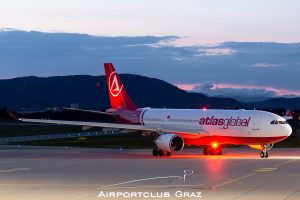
118	96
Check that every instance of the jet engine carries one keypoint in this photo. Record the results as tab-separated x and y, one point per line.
169	142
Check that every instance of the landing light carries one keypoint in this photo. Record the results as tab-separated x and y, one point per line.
214	145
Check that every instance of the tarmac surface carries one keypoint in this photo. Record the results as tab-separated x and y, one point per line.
42	173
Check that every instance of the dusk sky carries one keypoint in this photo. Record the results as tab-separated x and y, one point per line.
197	57
201	21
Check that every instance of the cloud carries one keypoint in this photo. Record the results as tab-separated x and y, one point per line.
245	93
7	29
186	86
24	53
179	59
216	52
266	65
165	41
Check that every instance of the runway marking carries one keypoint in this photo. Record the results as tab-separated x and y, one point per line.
14	170
236	180
291	194
269	168
263	170
285	163
266	169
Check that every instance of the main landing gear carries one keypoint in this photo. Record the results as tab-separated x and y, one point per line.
160	153
265	149
214	149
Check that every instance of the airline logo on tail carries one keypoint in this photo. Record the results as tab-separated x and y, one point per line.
114	86
118	96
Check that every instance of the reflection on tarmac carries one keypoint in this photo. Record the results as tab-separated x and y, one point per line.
81	173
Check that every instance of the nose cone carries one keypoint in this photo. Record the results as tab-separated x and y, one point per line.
288	130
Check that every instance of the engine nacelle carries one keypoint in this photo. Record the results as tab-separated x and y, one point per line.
169	142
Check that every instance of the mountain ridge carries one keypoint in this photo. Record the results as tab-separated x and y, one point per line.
90	92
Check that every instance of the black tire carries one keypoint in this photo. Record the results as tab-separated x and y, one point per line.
266	155
161	153
219	151
212	151
262	154
155	152
168	153
205	151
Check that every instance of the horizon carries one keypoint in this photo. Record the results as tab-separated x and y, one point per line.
240	49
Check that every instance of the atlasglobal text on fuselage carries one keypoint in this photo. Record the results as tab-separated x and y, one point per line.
172	129
225	123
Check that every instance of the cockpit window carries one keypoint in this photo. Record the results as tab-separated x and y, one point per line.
278	122
282	122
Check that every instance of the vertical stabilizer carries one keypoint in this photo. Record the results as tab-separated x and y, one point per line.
118	96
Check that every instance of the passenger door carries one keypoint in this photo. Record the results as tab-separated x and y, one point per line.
255	126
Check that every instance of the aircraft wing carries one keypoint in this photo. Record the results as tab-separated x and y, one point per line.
184	133
91	124
89	111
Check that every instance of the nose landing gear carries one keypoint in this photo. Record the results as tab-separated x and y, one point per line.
264	154
265	149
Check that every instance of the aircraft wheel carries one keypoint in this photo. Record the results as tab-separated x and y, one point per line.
266	155
205	151
219	151
161	153
262	154
155	152
212	151
168	154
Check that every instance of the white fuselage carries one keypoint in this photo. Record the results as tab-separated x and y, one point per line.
196	123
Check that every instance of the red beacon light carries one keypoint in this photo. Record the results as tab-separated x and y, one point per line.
204	108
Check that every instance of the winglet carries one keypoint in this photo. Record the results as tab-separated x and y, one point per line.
288	115
11	116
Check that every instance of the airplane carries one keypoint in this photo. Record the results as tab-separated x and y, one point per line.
172	129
